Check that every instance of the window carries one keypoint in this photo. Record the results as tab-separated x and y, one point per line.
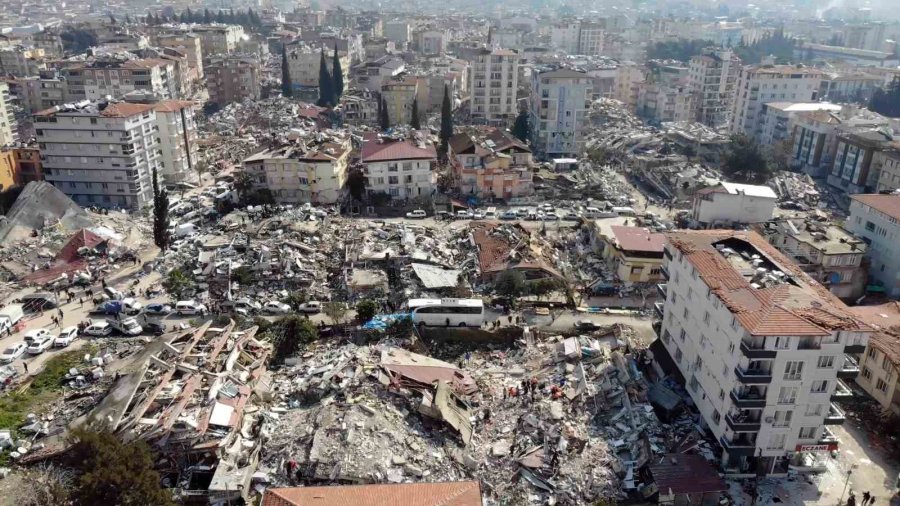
706	317
872	353
813	409
886	363
783	418
716	417
683	335
881	385
782	342
686	313
730	347
808	432
867	374
870	227
793	370
678	355
818	387
393	179
826	362
776	442
787	395
721	394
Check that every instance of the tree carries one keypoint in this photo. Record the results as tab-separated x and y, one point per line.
544	287
326	86
356	184
185	16
887	101
287	87
383	118
207	16
681	49
510	284
288	334
335	311
113	472
160	214
220	16
243	183
744	162
177	283
414	119
446	122
522	126
337	76
365	310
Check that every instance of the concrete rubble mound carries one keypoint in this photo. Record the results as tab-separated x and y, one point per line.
40	205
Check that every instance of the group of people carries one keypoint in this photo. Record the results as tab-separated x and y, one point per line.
867	499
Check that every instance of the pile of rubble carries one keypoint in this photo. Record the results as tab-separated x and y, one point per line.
560	420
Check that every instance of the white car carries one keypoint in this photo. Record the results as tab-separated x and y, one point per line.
65	337
98	329
276	307
31	335
39	345
15	351
189	307
418	214
312	307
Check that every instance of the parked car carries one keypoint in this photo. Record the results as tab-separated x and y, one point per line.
13	352
157	309
571	216
31	335
478	215
65	337
98	329
39	345
276	307
442	215
522	212
311	307
586	326
463	214
155	328
189	307
418	214
509	215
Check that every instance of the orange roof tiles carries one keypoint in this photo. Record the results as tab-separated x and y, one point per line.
799	307
455	493
172	105
125	109
886	318
887	204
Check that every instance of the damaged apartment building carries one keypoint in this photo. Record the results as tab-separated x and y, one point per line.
760	346
491	163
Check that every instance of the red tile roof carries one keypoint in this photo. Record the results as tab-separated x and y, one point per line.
82	238
638	239
886	318
799	307
172	105
682	473
125	109
887	204
454	493
385	150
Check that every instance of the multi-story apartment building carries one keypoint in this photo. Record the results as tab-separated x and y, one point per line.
400	168
304	61
828	253
758	85
712	77
776	123
492	164
493	84
728	204
190	43
232	78
28	164
297	174
855	168
42	92
177	128
21	61
218	39
432	41
397	97
634	253
560	100
100	153
629	77
578	37
398	31
8	129
760	345
95	80
876	220
889	176
880	365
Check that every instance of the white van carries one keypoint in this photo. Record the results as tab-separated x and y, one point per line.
624	211
491	213
189	307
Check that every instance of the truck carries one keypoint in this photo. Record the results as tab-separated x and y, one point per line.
10	315
128	305
127	326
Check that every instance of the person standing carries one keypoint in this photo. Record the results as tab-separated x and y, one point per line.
25	365
866	497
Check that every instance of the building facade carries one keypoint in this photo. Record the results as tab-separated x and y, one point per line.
8	129
98	79
560	100
876	220
730	203
401	168
493	87
758	85
492	164
232	79
712	77
760	346
299	174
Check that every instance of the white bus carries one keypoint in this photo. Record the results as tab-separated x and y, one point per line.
447	312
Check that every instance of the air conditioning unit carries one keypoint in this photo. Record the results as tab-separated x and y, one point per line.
770	419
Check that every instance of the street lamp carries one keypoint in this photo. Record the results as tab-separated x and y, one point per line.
846	482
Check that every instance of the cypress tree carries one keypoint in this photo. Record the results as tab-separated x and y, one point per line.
522	127
160	214
383	117
326	87
446	122
337	76
414	120
287	88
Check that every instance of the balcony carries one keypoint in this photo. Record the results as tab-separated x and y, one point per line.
856	346
841	391
665	271
849	369
748	400
739	446
743	422
835	416
753	376
756	351
662	288
809	344
660	309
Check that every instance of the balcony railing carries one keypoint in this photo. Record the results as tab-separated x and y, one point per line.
747	401
739	446
849	369
756	351
662	288
743	424
835	416
809	344
841	391
660	308
753	376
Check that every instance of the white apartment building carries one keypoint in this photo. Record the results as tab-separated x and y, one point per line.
777	124
304	62
889	176
875	219
880	365
401	168
218	39
100	154
432	42
494	81
564	36
727	204
712	77
101	78
299	174
191	44
9	133
758	85
560	100
177	128
578	37
760	346
398	31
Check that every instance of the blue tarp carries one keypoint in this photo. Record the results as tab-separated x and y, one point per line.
382	321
